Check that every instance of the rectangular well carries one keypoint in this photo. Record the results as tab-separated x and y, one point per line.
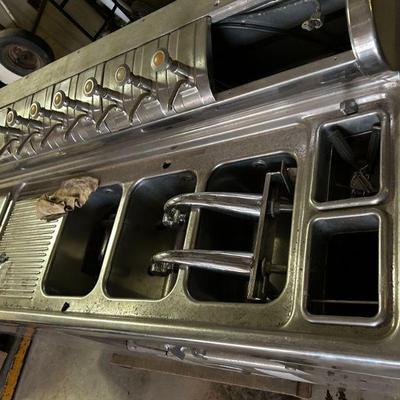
223	232
344	267
79	253
273	39
143	235
349	161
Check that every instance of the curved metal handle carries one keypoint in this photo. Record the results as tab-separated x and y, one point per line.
74	124
177	208
47	135
7	145
182	83
28	140
138	102
220	261
105	115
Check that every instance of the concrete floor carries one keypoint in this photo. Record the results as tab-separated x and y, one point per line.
61	367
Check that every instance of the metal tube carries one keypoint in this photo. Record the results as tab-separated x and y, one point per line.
220	261
60	99
248	205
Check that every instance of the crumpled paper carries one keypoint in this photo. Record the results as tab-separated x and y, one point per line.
72	193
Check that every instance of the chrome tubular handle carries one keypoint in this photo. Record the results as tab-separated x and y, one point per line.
161	61
124	75
177	208
220	261
13	119
92	88
36	111
60	99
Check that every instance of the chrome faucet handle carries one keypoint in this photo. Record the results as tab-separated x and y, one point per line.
60	99
36	111
8	131
161	61
238	263
13	119
92	88
177	208
123	75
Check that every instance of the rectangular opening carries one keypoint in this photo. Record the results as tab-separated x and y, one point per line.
143	234
274	38
79	253
223	232
349	162
344	267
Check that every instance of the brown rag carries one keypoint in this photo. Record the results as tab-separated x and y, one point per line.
72	193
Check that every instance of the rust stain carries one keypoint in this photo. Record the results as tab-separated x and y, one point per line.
16	368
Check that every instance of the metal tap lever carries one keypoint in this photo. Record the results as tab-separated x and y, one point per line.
161	61
60	99
92	88
220	261
177	208
8	131
13	119
36	111
124	75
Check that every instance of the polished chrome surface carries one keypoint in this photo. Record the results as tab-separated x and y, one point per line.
364	38
335	249
230	203
220	261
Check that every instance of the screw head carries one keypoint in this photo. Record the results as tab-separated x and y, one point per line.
349	107
160	60
58	99
34	109
11	117
122	74
89	87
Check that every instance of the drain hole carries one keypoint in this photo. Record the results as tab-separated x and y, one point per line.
65	307
166	164
344	267
349	159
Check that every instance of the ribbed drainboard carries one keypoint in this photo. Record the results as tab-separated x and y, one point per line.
27	243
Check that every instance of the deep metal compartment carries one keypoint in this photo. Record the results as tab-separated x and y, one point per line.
223	232
346	268
275	38
78	256
335	175
143	234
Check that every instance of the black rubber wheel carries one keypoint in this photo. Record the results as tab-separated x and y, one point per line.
22	52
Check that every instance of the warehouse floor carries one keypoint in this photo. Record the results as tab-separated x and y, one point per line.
61	367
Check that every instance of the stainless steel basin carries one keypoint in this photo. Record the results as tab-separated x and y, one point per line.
143	234
224	232
78	256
